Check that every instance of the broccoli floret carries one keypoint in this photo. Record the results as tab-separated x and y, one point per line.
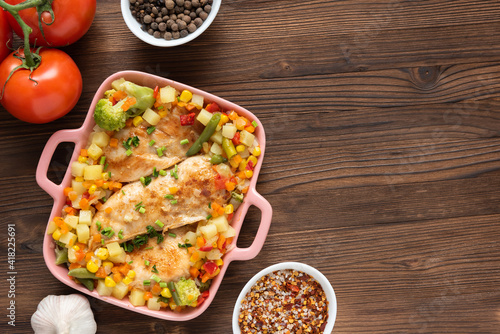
108	116
144	97
187	290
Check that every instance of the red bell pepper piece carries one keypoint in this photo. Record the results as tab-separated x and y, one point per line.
187	119
250	165
206	248
212	107
236	138
220	182
210	267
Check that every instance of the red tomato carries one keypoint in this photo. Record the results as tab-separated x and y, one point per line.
5	36
57	88
72	19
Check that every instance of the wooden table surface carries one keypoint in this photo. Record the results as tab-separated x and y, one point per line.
382	163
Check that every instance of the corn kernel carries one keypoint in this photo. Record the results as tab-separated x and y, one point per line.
219	262
256	151
127	280
163	113
165	292
57	234
240	148
131	274
229	209
92	266
82	159
186	96
198	264
223	119
105	176
92	189
137	120
79	179
76	248
253	160
105	185
248	173
240	123
108	264
102	253
173	190
243	165
108	281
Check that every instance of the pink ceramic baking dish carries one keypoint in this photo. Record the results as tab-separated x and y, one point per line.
79	138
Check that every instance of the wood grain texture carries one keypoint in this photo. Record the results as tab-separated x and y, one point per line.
382	121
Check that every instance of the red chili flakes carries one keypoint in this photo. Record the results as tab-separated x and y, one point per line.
284	302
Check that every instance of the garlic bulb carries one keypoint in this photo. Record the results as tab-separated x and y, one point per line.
64	315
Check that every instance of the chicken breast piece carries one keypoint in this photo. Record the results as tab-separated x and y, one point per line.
196	188
144	158
170	261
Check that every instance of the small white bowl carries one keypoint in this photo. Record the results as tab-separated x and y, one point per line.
135	26
325	284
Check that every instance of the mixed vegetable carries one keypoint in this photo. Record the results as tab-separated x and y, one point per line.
227	140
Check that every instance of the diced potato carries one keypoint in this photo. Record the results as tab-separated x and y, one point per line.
77	168
151	117
136	297
78	186
153	304
68	238
214	254
102	289
93	172
120	290
246	138
224	170
229	130
198	100
85	217
72	221
119	258
190	238
209	231
51	227
101	139
217	137
94	151
117	84
83	233
216	149
114	249
168	94
221	223
204	117
229	233
71	255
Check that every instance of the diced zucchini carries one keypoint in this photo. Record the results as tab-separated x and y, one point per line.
114	249
94	151
101	139
208	231
153	304
102	289
197	100
72	221
151	117
77	168
221	223
136	297
85	217
246	138
93	172
229	130
204	117
168	94
217	137
120	290
83	233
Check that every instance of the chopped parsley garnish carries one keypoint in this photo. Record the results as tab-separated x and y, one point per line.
145	180
159	151
156	278
128	152
254	123
184	141
186	245
123	192
142	210
99	225
103	160
146	282
169	196
154	270
108	232
104	199
150	247
140	240
209	216
150	130
162	172
159	223
174	172
120	234
106	167
173	235
146	263
155	172
173	202
152	142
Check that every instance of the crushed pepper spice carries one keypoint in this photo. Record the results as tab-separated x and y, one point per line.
284	302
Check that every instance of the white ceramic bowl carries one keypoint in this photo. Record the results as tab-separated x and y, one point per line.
325	284
135	27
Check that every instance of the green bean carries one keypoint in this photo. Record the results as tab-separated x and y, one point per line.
217	159
61	255
228	146
81	273
175	294
205	135
88	283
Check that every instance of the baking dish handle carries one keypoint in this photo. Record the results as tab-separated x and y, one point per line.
62	136
263	205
